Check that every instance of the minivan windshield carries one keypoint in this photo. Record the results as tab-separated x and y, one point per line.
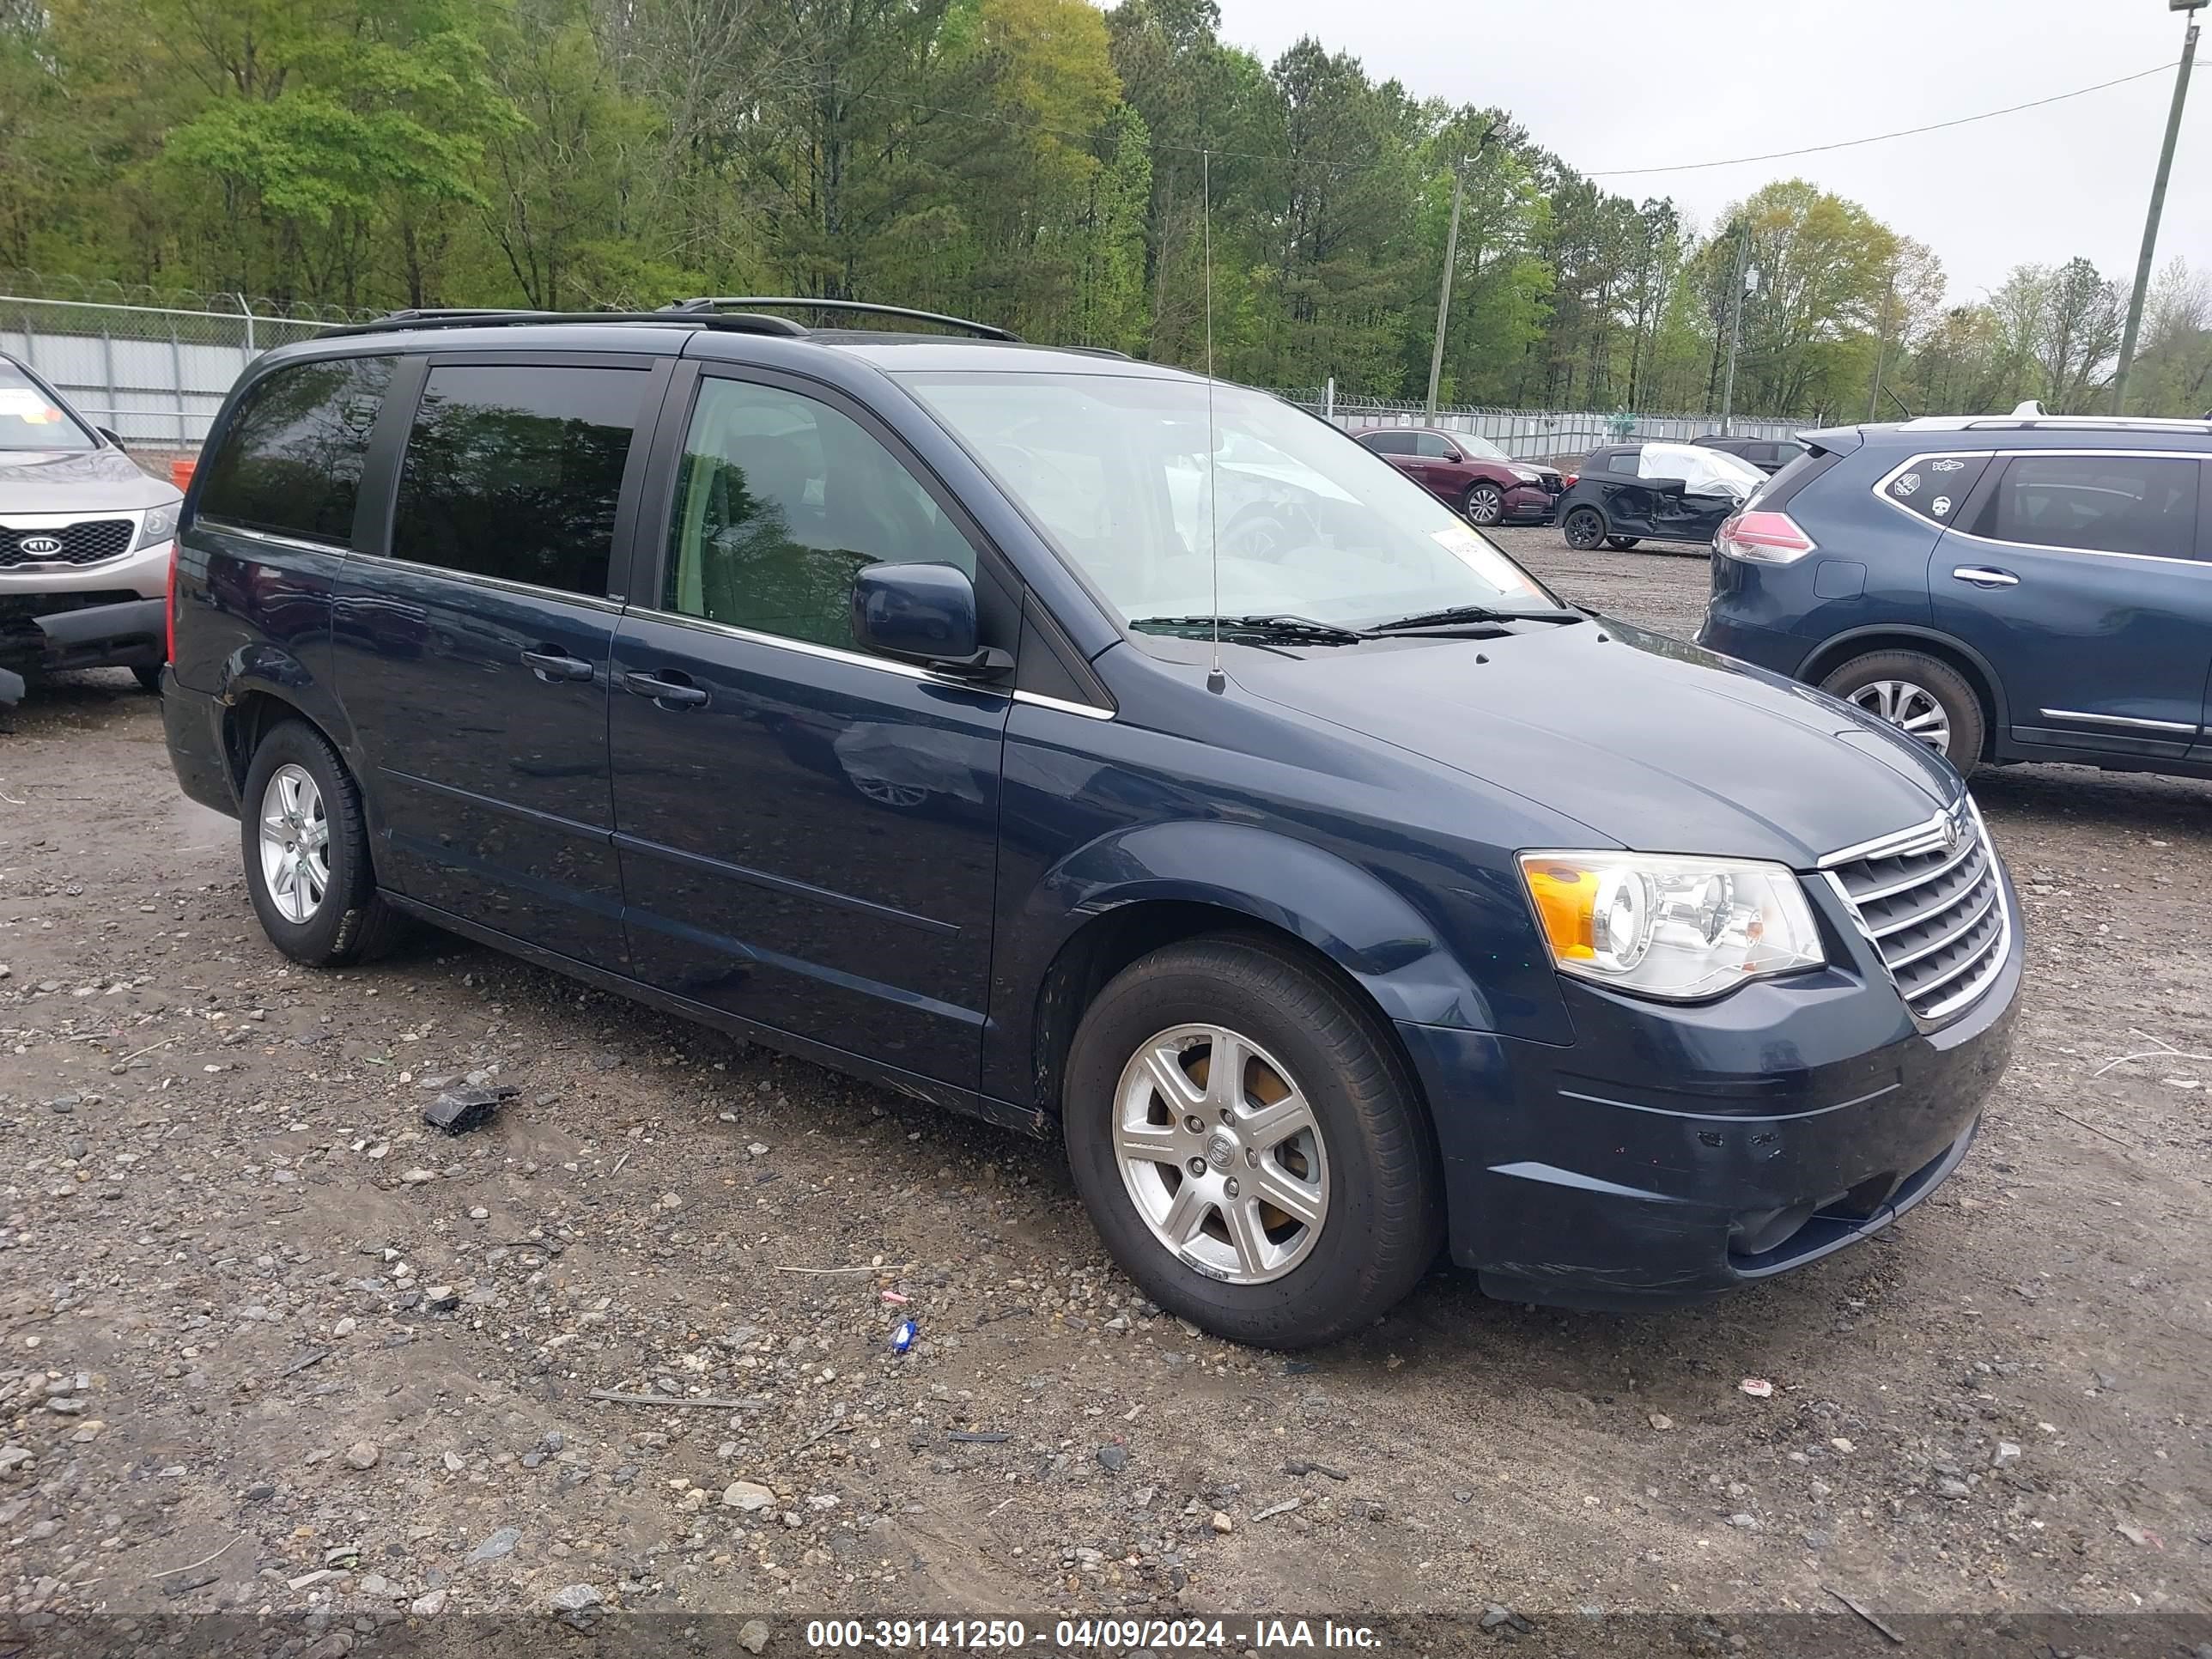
1117	471
29	419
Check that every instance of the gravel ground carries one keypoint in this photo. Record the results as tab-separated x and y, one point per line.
267	1344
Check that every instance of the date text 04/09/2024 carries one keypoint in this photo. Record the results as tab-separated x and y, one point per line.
1076	1636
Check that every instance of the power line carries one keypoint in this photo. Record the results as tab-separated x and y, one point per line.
1879	137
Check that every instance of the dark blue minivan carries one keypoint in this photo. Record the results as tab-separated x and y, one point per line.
2005	588
1066	740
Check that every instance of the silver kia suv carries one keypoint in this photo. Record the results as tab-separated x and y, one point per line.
84	542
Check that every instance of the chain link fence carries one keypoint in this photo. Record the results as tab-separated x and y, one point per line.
153	365
1533	434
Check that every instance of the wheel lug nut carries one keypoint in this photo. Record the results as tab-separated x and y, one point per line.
1198	1166
1228	1118
1251	1156
1229	1185
1192	1124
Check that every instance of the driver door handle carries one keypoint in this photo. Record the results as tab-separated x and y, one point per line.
1983	575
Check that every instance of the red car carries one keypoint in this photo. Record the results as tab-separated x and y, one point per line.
1469	473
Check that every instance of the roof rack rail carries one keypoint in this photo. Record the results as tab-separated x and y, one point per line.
461	317
712	304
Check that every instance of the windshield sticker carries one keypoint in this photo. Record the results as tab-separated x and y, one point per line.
1906	485
27	405
1486	560
1940	506
1950	466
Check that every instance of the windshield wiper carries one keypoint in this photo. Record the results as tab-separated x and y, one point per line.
1303	629
1454	615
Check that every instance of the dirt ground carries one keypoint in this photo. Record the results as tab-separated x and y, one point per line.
268	1344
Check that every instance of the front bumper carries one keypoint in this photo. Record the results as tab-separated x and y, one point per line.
1672	1153
1530	504
118	633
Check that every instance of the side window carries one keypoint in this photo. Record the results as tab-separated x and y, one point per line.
779	501
291	459
1936	486
513	471
2099	503
1388	443
1432	446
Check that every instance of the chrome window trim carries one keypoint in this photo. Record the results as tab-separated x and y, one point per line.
1879	489
1088	711
300	544
500	584
2117	719
809	649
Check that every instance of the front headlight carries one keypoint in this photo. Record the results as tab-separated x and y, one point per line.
159	524
1528	475
1675	928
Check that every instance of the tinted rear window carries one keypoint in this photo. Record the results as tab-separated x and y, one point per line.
1388	443
291	459
1778	491
2098	503
513	471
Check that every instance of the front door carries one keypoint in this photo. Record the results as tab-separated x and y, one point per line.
808	833
2077	577
473	659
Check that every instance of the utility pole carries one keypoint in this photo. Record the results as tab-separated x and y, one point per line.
1444	289
1735	323
1452	262
2157	207
1881	346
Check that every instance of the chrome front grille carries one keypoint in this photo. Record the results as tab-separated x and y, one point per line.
1932	900
88	541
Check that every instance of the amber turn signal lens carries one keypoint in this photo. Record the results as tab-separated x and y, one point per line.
1566	905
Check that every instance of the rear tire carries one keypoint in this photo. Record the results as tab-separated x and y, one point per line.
1922	695
306	846
1359	1161
1484	505
1583	528
1622	544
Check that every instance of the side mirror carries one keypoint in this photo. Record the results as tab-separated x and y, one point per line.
925	614
111	435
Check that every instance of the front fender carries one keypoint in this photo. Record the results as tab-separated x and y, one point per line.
1370	930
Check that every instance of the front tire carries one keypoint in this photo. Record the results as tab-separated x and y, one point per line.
1583	528
1484	505
1283	1200
1922	695
1622	543
306	846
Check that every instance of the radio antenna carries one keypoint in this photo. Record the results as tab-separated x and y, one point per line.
1216	681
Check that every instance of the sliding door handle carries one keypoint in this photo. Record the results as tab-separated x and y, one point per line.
668	688
554	666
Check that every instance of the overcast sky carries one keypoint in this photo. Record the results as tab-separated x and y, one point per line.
1649	83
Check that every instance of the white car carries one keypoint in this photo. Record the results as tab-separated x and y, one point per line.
84	542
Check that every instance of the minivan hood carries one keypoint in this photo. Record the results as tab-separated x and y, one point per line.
103	480
1659	745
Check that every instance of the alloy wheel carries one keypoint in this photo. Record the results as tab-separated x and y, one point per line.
295	841
1485	507
1221	1152
1913	709
1583	529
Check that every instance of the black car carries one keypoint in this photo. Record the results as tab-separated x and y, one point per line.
869	696
2021	587
1769	455
1661	492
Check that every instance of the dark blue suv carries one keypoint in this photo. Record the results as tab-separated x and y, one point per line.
1061	740
2023	587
